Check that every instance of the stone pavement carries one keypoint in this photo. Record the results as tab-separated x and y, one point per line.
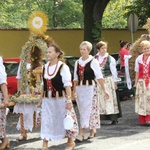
126	135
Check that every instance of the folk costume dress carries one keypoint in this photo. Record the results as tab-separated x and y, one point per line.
109	108
55	79
85	73
27	109
142	96
3	77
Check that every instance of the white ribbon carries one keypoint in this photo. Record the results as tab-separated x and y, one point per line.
128	79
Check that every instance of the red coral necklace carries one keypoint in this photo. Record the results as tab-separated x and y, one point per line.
54	69
103	62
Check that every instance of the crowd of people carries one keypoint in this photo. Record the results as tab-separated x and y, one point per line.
94	88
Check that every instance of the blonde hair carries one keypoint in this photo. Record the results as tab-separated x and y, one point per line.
87	44
145	43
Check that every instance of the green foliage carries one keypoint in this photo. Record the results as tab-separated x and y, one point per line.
14	13
68	14
61	13
114	14
141	8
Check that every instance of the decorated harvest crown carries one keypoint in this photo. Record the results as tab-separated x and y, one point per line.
37	26
135	49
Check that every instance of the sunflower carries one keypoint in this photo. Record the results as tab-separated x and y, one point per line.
38	23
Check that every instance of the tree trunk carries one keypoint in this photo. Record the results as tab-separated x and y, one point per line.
93	11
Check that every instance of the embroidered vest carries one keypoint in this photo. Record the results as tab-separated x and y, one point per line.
106	67
141	70
55	85
88	74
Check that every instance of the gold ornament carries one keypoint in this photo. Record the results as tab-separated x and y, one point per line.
38	23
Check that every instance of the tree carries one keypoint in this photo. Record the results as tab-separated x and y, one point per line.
114	14
93	12
141	8
68	14
60	13
13	15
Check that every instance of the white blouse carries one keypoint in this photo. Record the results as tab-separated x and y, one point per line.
94	66
3	75
112	65
65	73
28	66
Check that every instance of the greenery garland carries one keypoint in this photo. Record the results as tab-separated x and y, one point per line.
34	40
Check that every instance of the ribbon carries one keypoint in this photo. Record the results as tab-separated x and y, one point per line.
50	87
127	74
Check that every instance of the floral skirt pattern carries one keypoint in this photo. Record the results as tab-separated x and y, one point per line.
88	106
2	119
142	98
74	131
94	116
108	106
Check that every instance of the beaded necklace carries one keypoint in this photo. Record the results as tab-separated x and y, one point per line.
54	69
103	62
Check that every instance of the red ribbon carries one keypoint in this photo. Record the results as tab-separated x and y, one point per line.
81	71
50	87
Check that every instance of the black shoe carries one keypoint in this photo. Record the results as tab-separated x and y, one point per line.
114	122
148	123
144	125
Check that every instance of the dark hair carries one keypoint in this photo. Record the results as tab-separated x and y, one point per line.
123	43
128	45
120	41
36	61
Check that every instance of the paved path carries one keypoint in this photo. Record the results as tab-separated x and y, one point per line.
126	135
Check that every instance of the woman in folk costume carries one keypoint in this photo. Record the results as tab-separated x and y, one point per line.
56	101
109	108
85	87
4	100
142	78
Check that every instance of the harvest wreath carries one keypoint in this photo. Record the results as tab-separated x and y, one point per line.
35	50
28	98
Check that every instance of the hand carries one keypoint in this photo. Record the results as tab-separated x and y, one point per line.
5	101
116	86
39	103
75	95
69	106
106	95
